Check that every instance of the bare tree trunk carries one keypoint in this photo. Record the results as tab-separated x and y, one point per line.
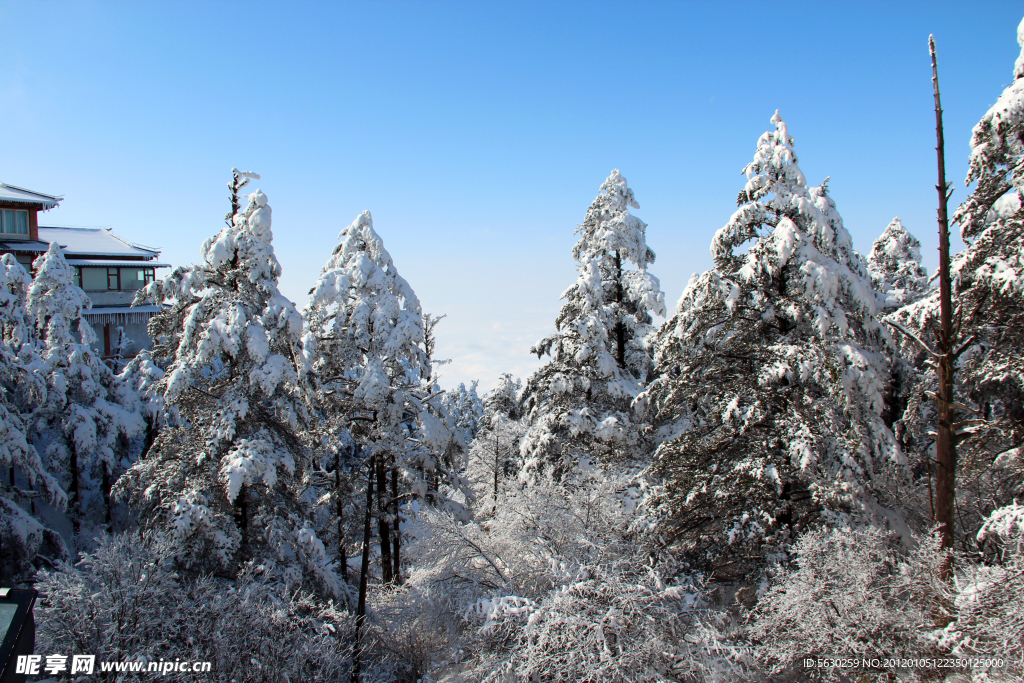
151	433
620	327
107	492
73	489
945	446
497	464
383	527
242	518
342	557
364	569
396	554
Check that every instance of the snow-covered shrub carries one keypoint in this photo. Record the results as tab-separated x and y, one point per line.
556	583
849	592
856	591
988	598
125	602
25	544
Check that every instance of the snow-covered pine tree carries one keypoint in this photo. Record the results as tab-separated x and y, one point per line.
578	403
894	265
90	416
494	453
465	406
23	538
368	327
771	378
224	477
988	297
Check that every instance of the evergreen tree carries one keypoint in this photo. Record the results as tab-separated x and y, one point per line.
894	265
493	454
90	416
771	380
465	406
225	475
369	331
578	403
25	542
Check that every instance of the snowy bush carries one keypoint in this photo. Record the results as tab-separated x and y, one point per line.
847	592
125	602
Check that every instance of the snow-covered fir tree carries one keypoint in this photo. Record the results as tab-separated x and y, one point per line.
91	415
466	407
894	265
578	403
988	295
494	453
225	475
771	380
368	327
25	542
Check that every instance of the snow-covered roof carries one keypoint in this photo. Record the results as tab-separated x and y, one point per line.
29	245
10	193
94	242
114	262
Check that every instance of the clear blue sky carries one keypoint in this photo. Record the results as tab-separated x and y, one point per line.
478	133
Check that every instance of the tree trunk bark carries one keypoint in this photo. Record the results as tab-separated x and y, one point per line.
364	569
620	327
73	489
945	446
242	518
151	433
396	554
383	527
106	492
342	557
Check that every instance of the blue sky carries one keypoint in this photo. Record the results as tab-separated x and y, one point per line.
478	133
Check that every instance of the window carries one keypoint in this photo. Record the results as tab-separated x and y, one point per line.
14	222
94	279
125	279
136	278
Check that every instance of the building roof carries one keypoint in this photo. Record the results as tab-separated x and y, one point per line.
10	193
27	245
114	262
95	242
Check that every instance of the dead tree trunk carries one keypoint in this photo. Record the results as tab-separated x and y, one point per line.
364	569
945	446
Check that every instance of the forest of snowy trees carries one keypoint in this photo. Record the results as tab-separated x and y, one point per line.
290	495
